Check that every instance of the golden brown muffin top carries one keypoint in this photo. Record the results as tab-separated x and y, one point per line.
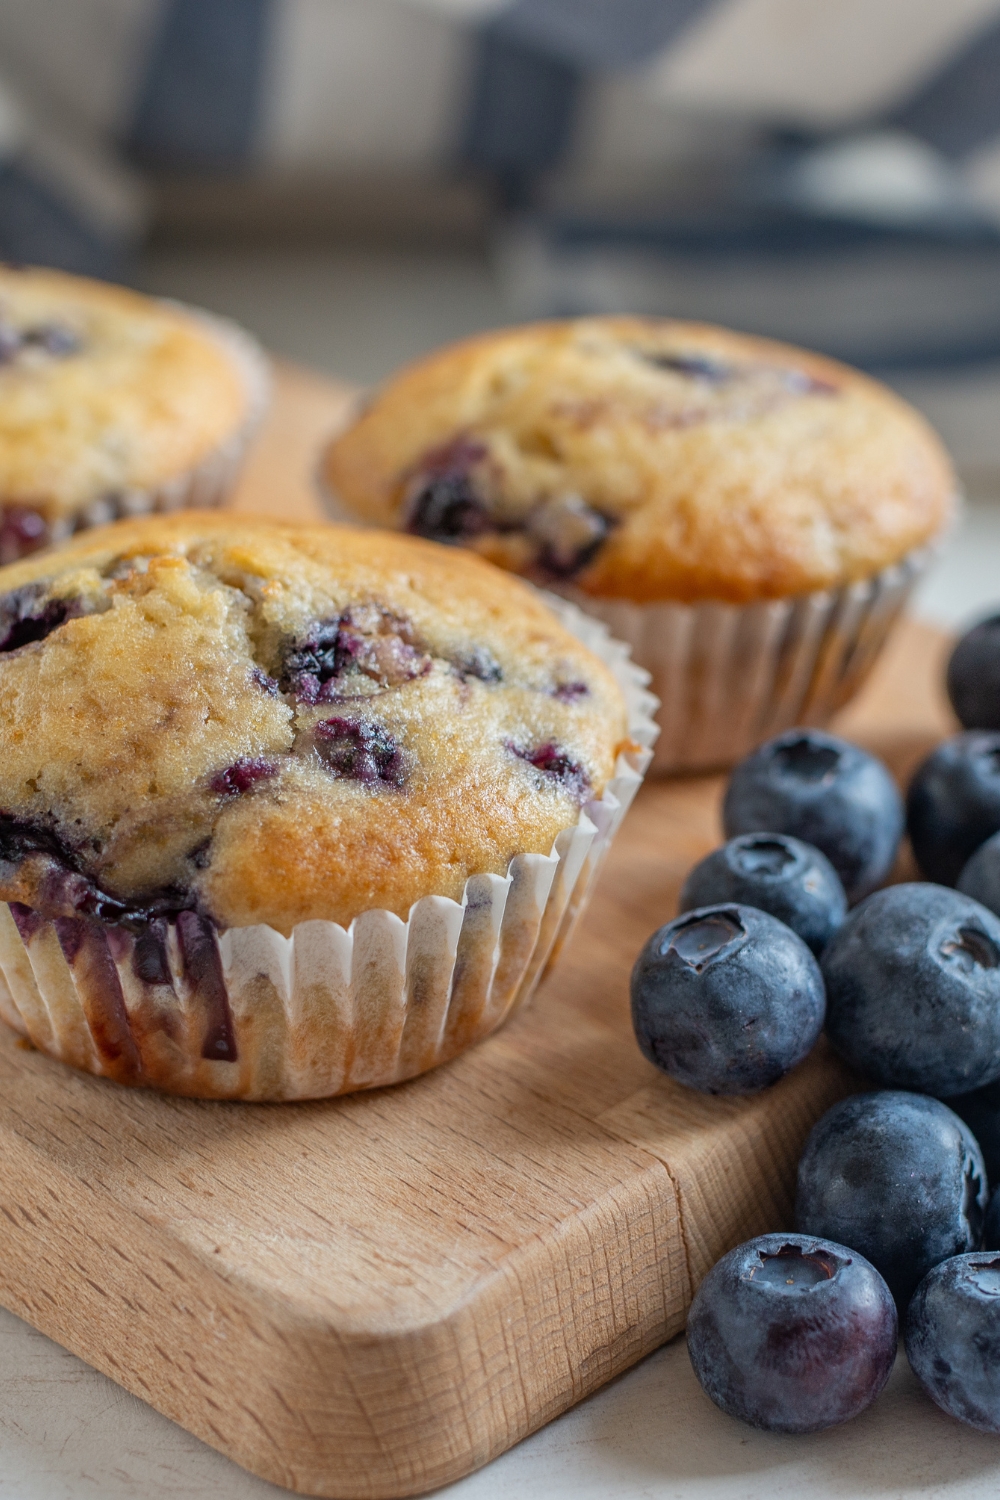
648	459
103	391
269	723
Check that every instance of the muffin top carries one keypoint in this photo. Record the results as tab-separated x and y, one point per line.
269	723
648	459
103	391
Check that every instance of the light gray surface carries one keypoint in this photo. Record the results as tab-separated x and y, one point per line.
68	1433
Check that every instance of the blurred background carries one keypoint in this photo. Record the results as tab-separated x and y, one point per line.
359	180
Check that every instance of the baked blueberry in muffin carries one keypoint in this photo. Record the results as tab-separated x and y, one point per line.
111	404
208	725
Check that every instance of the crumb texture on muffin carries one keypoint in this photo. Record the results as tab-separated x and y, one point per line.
103	391
650	460
269	724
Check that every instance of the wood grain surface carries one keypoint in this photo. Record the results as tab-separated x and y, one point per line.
371	1296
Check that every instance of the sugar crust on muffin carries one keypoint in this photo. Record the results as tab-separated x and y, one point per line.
103	391
267	723
648	459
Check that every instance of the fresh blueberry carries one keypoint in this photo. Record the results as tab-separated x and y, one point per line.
553	762
792	1333
980	877
826	792
913	990
953	804
974	676
726	999
898	1177
360	750
953	1338
980	1110
781	875
991	1225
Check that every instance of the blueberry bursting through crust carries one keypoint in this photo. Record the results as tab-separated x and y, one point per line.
447	502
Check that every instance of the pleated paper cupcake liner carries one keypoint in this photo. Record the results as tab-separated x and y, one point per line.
730	676
251	1014
206	485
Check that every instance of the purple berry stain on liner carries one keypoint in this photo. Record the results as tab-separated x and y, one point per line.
203	972
85	947
552	761
242	776
360	750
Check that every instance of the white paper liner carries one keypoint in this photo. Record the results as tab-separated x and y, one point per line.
730	676
327	1010
211	480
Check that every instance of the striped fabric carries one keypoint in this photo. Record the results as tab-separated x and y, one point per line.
883	114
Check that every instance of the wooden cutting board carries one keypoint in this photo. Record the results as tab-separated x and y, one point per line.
375	1295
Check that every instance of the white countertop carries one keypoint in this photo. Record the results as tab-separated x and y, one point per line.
68	1433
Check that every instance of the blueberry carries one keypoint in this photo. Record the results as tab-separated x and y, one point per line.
570	692
478	662
568	533
953	1338
899	1178
444	502
826	792
953	804
974	676
692	366
792	1333
781	875
552	761
26	616
22	531
242	775
726	999
54	338
980	1110
913	990
336	657
360	750
991	1224
980	877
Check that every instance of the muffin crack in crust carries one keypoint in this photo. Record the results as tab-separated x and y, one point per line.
253	723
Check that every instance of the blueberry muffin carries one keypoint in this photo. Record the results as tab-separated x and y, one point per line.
216	728
661	473
112	403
